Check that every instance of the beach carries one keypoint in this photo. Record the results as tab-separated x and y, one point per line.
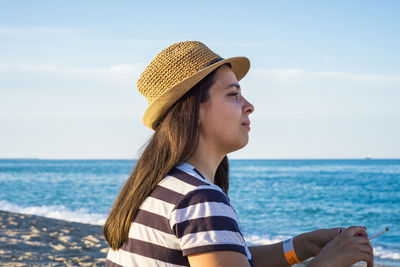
29	240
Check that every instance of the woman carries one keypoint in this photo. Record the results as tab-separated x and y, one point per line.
174	209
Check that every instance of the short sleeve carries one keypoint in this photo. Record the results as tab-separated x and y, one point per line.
204	221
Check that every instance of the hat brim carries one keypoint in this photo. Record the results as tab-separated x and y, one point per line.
240	66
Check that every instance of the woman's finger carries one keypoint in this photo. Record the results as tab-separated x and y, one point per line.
367	257
370	263
354	230
366	249
363	234
361	240
333	232
347	248
339	230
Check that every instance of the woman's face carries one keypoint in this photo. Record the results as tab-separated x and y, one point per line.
224	117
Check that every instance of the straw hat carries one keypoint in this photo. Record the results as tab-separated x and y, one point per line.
175	70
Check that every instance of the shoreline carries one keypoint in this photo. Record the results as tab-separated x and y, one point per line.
30	240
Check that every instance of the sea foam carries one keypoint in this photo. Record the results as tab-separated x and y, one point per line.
265	240
386	254
56	212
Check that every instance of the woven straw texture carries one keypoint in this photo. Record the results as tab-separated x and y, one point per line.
173	65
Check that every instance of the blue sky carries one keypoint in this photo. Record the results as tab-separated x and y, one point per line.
325	76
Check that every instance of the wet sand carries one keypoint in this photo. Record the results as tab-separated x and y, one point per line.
29	240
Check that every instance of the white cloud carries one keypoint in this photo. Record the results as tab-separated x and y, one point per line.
125	68
146	42
301	75
165	43
298	93
249	44
119	68
49	90
124	73
27	31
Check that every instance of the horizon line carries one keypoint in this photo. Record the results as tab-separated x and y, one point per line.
322	158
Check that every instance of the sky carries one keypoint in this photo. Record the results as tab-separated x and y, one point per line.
324	76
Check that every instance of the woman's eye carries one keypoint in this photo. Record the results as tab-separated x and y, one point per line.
235	95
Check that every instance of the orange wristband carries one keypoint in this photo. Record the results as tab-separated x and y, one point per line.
288	250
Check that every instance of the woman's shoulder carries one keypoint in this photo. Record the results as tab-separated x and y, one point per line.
182	185
185	178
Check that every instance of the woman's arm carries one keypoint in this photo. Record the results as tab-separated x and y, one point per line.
219	259
272	255
334	247
266	255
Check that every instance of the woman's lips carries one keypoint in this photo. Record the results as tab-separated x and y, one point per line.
246	124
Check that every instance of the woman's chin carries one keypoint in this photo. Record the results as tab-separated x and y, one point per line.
240	145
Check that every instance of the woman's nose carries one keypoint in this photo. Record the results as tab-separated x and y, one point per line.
247	106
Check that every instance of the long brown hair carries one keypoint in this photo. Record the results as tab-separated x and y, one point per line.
174	140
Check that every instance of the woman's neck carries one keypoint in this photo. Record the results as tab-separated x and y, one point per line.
205	162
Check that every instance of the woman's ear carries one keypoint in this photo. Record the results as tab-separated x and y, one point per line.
203	111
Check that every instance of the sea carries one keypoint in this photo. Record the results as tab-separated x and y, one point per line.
274	199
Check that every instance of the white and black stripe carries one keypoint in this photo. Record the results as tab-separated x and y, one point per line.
184	215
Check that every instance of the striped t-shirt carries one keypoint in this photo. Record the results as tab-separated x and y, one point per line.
184	215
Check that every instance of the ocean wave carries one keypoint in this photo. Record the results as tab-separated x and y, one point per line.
265	240
379	251
335	168
56	212
386	254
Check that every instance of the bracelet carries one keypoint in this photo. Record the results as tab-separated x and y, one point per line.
288	250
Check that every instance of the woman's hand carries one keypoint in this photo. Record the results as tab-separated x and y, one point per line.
345	249
311	243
